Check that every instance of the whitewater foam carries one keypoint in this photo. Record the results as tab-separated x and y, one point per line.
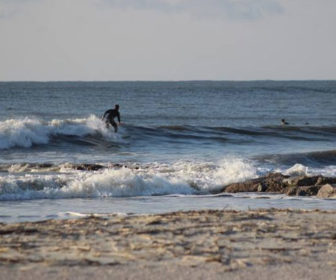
303	170
153	179
31	131
297	170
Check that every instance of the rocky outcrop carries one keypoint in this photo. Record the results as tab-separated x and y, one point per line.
95	167
248	186
300	181
292	186
273	182
88	167
307	190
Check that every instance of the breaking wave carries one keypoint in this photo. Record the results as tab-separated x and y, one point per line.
30	131
148	180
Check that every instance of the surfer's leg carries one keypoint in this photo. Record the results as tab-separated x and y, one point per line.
115	126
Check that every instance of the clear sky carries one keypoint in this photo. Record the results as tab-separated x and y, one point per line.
167	39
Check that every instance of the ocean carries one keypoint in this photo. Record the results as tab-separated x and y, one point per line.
178	145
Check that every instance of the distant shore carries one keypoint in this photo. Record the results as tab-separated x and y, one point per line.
199	244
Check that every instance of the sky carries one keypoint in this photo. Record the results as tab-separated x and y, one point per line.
115	40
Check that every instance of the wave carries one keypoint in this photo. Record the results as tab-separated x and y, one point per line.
309	133
318	158
29	132
231	135
148	180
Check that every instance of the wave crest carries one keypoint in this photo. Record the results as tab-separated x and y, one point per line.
27	132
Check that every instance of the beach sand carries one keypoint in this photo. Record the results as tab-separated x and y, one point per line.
211	244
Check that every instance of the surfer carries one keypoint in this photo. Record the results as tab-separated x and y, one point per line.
283	122
110	115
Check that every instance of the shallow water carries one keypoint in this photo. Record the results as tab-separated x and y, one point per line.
36	210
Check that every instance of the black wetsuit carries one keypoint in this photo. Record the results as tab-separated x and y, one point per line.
109	116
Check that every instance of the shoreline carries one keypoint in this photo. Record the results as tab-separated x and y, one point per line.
178	244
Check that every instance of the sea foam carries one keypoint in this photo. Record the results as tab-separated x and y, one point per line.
153	179
184	178
30	131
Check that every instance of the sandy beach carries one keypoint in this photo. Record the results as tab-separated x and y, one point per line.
259	244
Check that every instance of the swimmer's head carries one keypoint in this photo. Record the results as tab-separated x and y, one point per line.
117	106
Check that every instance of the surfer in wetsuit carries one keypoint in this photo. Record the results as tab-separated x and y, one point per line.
109	116
283	122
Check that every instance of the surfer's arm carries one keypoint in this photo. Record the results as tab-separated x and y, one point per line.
118	117
103	117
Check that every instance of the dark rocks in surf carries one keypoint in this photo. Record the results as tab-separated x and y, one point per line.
95	167
325	180
88	167
299	181
291	191
248	186
302	185
307	190
273	182
292	186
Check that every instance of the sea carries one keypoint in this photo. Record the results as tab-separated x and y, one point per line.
178	145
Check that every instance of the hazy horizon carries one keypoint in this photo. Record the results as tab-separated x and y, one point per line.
158	81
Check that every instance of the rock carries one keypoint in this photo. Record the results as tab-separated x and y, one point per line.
307	181
248	186
272	182
325	180
279	183
289	181
117	165
299	181
291	191
319	181
88	167
301	192
261	187
44	165
307	191
327	191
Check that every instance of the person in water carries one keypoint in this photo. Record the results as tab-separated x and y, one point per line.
283	122
110	115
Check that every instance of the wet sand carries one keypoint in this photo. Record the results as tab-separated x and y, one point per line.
259	244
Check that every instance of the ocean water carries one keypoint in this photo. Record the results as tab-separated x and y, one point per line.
178	145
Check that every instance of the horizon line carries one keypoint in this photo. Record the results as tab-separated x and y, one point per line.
162	81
